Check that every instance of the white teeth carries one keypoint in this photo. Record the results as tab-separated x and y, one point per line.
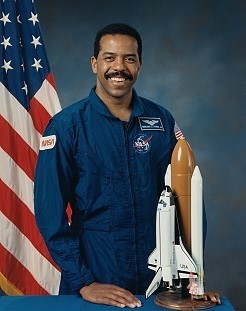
118	79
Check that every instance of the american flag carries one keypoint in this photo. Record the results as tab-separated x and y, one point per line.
27	101
177	132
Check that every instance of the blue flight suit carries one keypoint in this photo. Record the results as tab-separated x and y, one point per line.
112	173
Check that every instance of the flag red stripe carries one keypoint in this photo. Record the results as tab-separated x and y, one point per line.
25	262
17	148
51	80
39	114
18	275
24	220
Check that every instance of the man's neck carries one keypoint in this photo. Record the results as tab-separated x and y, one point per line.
119	107
121	111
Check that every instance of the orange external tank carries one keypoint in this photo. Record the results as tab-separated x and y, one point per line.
183	164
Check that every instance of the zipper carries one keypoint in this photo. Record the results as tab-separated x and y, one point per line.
127	158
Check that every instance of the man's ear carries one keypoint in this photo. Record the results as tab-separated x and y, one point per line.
94	64
141	63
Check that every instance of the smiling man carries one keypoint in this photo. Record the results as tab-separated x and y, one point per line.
117	64
109	155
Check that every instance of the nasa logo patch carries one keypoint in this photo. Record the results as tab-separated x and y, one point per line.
142	143
47	142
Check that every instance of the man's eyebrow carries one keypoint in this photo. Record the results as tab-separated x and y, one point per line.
128	54
109	53
131	54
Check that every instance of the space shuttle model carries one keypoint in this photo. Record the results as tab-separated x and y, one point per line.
179	225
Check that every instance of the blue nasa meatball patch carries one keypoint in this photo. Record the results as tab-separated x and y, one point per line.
142	143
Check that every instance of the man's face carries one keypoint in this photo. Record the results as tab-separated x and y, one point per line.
117	66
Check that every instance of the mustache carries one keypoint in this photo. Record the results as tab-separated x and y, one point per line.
118	74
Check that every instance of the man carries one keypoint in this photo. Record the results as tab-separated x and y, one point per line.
107	156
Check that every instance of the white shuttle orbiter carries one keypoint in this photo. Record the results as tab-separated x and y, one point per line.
170	260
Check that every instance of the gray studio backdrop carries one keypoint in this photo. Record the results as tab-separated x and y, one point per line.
194	61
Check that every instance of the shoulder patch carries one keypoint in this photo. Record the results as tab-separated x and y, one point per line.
177	132
47	142
148	124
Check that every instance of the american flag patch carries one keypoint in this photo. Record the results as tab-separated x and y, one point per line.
177	132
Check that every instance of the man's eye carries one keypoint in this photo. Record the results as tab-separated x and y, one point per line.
130	59
109	58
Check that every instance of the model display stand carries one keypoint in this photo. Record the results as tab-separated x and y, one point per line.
174	300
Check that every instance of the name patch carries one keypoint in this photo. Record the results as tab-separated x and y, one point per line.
147	124
47	142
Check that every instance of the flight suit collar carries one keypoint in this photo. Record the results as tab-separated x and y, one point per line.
100	107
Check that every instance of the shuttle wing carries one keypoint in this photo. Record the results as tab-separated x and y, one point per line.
185	264
152	261
155	283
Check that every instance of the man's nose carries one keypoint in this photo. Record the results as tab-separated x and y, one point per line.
119	64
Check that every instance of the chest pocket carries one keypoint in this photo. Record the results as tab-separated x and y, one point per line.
94	192
158	148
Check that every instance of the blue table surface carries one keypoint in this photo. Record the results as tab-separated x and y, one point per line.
75	303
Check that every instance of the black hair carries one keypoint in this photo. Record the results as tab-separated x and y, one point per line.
118	29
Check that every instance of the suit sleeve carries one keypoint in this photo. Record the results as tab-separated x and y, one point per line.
53	189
